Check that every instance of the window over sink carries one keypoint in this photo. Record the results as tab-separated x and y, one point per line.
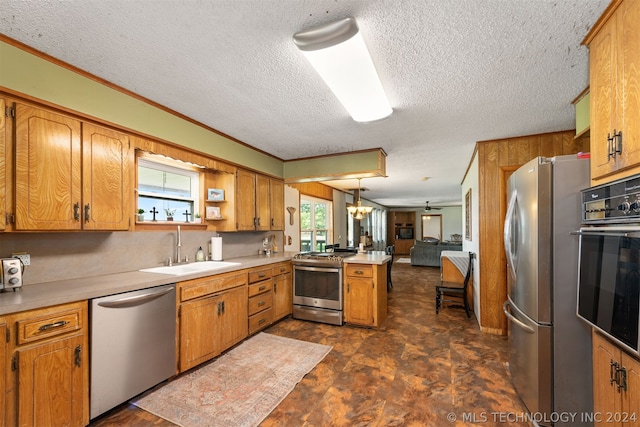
170	186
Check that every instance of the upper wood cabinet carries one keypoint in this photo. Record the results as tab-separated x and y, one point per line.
259	202
70	175
614	55
3	166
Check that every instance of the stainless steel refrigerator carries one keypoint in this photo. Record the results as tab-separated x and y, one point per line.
549	347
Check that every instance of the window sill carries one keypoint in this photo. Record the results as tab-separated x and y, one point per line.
167	225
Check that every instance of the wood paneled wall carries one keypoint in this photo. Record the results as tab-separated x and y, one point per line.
497	160
314	189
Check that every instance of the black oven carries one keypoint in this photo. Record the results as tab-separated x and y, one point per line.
609	282
609	261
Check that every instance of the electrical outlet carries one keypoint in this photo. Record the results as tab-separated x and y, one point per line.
24	257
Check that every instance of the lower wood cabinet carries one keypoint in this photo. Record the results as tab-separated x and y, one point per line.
212	317
4	370
365	294
616	385
282	290
46	375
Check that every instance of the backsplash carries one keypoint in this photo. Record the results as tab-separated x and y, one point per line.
61	256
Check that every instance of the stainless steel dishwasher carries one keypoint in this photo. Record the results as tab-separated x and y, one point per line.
133	344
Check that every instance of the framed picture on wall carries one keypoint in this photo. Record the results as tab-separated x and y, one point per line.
213	212
467	215
215	194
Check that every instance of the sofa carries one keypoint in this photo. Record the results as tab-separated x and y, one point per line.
427	253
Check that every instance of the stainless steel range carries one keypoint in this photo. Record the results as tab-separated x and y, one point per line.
317	286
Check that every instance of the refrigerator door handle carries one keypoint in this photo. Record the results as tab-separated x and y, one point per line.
505	307
508	233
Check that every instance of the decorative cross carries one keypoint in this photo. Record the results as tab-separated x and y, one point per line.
154	212
186	214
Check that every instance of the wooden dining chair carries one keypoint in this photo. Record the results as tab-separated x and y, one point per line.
389	250
453	292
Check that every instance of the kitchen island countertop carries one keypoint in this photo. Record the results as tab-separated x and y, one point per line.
371	257
39	295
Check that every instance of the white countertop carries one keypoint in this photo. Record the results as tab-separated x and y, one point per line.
52	293
371	257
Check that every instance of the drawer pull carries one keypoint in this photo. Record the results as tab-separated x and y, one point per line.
358	272
52	325
261	275
261	321
262	288
261	303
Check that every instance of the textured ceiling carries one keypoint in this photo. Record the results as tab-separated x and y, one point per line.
456	72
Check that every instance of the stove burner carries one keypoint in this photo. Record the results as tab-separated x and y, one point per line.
326	257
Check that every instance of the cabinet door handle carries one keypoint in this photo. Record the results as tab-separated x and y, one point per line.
610	153
613	369
87	217
621	378
618	137
78	356
76	211
275	288
52	325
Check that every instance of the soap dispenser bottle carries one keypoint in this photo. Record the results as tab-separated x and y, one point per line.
200	254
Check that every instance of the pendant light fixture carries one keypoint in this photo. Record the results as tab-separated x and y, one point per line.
358	211
339	54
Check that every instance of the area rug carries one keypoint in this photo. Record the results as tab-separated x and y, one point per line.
240	388
403	261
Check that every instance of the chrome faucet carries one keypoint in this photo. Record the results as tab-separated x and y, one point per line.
178	246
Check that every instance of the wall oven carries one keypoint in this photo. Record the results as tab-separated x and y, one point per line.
609	261
317	286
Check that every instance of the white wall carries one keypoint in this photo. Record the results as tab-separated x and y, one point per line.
451	221
471	183
291	199
340	217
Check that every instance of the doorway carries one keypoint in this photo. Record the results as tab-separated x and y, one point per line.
431	226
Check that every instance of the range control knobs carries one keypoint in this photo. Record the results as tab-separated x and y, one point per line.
625	207
635	206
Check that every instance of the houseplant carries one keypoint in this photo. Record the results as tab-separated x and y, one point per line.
197	218
170	212
140	215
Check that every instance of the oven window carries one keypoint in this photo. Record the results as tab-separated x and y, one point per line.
317	284
609	288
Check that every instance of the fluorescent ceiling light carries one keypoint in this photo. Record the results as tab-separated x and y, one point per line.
338	53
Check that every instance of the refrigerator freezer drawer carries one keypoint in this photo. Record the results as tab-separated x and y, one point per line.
530	360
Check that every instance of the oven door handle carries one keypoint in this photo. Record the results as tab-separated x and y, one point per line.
323	269
598	233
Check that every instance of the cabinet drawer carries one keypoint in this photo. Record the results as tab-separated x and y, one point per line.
197	288
260	302
359	271
260	287
37	327
282	268
259	321
258	275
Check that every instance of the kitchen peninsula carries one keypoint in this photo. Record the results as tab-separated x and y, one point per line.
365	288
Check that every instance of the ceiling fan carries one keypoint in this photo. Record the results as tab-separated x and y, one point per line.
428	208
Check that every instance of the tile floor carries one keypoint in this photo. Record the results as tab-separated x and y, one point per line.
419	369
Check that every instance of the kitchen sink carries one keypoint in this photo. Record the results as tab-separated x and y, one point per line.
194	267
